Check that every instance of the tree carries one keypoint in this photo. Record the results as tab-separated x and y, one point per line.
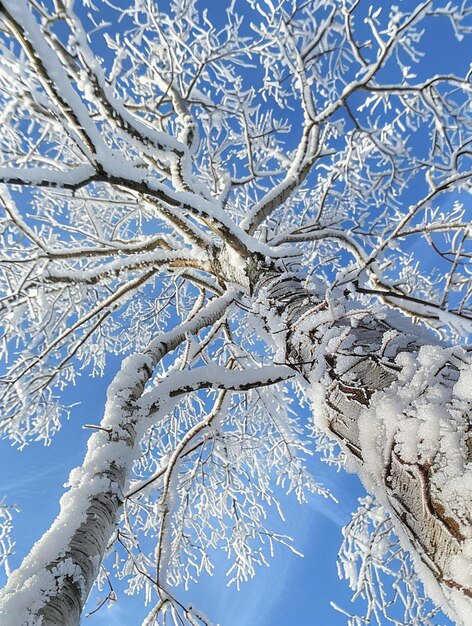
233	202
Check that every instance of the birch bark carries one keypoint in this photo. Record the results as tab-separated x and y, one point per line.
399	406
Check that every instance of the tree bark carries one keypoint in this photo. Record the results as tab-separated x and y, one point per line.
370	380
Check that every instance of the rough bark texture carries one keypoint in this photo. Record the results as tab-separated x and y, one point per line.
349	360
86	549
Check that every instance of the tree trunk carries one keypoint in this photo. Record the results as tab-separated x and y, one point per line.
52	584
399	405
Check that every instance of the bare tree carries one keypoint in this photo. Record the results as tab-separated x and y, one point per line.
273	195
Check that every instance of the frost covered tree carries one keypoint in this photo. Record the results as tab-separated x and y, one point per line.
248	205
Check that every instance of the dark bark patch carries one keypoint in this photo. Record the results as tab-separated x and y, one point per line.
361	395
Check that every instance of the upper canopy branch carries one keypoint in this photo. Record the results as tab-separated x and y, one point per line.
25	28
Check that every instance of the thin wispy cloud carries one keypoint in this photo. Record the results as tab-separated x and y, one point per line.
16	483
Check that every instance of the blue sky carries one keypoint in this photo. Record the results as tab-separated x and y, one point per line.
293	590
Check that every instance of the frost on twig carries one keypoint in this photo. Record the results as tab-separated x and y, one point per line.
6	542
220	466
380	573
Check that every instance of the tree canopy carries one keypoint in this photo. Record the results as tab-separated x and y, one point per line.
255	207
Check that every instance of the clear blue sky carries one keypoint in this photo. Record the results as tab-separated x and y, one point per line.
293	591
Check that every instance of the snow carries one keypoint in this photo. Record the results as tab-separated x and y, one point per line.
461	565
425	423
43	175
216	377
418	421
21	13
463	387
136	261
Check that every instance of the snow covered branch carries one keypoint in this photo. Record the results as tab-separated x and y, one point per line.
274	194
